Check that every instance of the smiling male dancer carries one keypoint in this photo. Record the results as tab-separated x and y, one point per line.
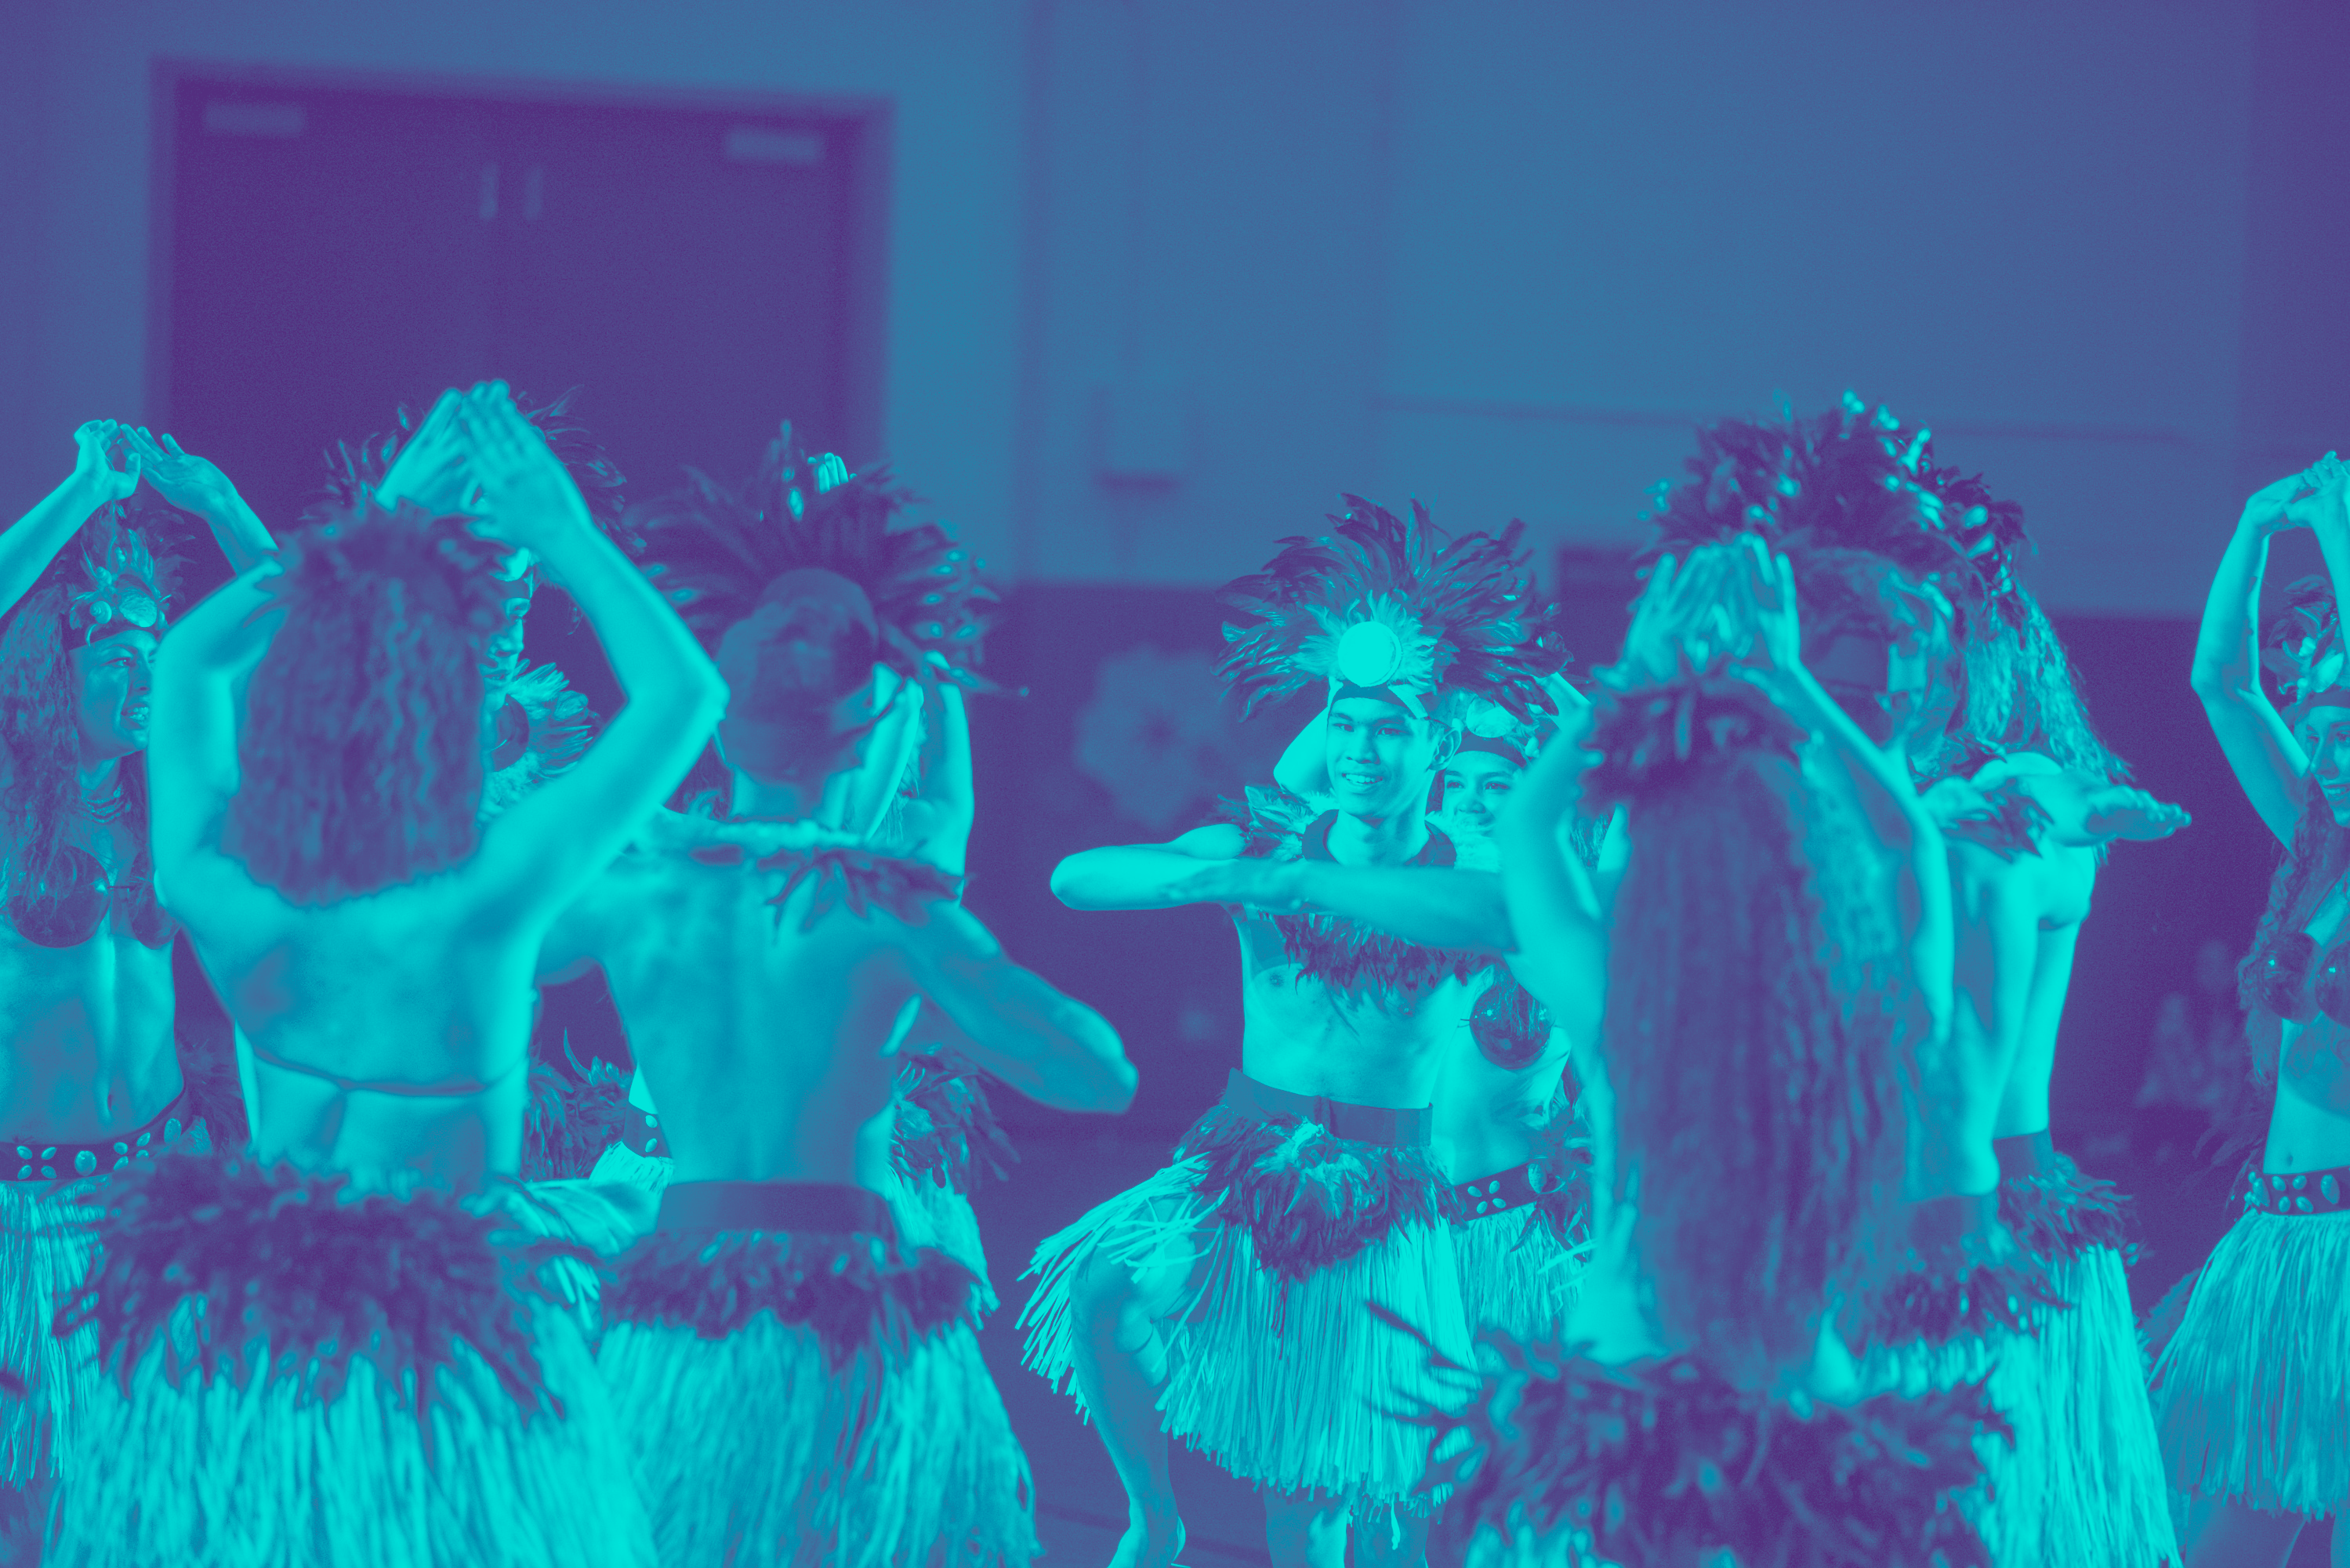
1226	1299
89	1080
802	1378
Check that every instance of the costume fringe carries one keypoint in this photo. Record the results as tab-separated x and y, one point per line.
2058	1215
1515	1275
252	1466
2083	1484
2161	1324
2253	1394
1560	1460
1985	1288
623	1165
1308	1200
944	1125
1293	1384
48	1238
755	1450
947	1221
571	1121
605	1219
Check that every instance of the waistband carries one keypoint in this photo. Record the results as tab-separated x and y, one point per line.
1496	1194
2298	1192
805	1208
1358	1123
2027	1153
639	1131
51	1161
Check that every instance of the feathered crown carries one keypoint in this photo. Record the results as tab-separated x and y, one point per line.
1845	479
1387	606
715	551
1655	737
354	468
124	584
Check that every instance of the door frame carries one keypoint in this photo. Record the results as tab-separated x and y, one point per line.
869	121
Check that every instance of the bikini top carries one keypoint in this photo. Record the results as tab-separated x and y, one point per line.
2293	983
74	906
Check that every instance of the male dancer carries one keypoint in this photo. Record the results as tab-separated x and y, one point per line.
1225	1299
89	1080
804	1385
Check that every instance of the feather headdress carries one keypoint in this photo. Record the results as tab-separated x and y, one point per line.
715	550
1389	606
123	582
1846	478
357	468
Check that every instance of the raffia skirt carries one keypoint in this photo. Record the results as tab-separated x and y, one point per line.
291	1378
1262	1252
2252	1393
802	1393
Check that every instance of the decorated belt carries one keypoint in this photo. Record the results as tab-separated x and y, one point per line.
2298	1192
1497	1194
53	1161
2028	1154
804	1208
639	1131
1359	1124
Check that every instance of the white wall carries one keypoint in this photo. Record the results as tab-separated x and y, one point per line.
1496	254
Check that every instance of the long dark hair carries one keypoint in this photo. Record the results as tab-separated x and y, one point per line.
1759	1120
42	797
361	751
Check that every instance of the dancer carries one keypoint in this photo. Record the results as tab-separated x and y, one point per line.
800	1373
2252	1401
339	1349
2016	1265
92	1083
1223	1300
1776	952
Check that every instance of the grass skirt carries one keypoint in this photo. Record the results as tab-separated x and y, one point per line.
1295	1384
1562	1462
934	1211
2252	1393
49	1235
830	1439
1516	1275
288	1379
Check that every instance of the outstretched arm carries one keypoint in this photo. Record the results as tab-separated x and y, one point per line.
33	540
1187	871
1434	906
543	850
1010	1021
2269	764
193	484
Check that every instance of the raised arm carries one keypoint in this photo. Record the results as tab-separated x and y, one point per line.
1186	870
1560	951
192	757
193	484
2269	763
1304	765
545	848
1010	1021
33	540
938	819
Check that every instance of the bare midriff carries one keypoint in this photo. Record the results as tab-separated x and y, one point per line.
85	1045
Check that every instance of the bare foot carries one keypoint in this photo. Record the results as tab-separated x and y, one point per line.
1152	1539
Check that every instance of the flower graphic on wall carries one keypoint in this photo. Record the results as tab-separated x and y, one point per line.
1157	736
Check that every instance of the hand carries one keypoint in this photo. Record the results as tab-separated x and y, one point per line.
2322	498
435	468
189	483
2111	812
1675	624
528	501
97	447
1768	592
2269	509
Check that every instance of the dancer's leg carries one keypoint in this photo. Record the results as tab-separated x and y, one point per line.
1121	1364
1305	1530
2229	1535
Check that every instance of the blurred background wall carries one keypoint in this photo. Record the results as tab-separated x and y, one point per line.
1130	289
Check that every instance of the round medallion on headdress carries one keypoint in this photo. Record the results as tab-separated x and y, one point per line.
1489	720
1369	654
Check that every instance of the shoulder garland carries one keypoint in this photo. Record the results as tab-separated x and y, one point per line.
857	880
543	727
715	548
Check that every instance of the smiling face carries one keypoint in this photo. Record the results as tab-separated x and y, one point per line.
112	678
1476	786
1382	759
2329	727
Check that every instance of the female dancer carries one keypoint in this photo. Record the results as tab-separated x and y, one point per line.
2252	1396
799	1370
1778	944
90	1081
339	1350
